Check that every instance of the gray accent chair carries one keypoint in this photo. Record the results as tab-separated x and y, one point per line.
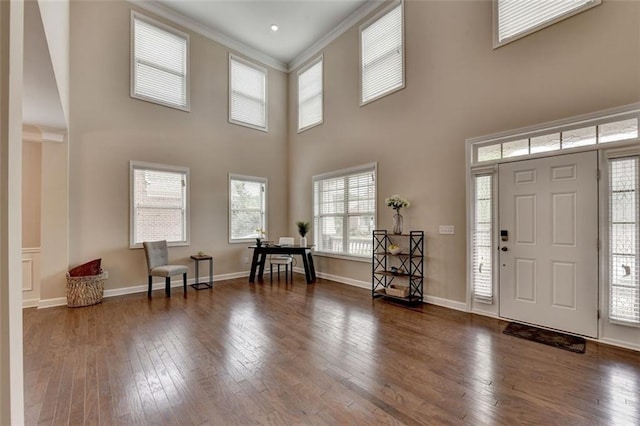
157	255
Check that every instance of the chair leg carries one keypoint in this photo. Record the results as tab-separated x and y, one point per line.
286	273
271	272
184	280
167	286
150	285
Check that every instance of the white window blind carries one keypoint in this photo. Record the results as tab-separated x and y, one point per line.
624	242
516	18
482	275
248	94
310	96
382	55
159	63
159	204
247	207
344	205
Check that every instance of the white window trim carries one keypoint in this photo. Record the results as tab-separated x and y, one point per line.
365	25
339	173
248	63
133	165
132	73
606	155
496	39
302	71
618	148
262	180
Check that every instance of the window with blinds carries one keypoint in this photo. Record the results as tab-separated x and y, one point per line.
517	18
624	240
159	63
310	95
382	55
482	268
247	208
344	211
247	94
159	204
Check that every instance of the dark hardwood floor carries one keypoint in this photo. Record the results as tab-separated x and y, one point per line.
308	354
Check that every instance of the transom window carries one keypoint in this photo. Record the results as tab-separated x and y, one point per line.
247	208
159	63
344	211
517	18
602	130
310	95
382	55
247	94
159	204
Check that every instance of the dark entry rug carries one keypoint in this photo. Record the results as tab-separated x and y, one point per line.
547	337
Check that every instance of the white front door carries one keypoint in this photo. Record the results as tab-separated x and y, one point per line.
548	216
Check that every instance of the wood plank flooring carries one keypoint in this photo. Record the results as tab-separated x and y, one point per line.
308	354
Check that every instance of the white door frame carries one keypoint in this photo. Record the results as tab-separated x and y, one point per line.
619	335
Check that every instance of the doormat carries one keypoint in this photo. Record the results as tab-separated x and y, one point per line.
547	337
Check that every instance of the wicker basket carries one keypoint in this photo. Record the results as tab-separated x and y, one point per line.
397	290
85	291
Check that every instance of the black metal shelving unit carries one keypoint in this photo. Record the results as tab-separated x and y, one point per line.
409	265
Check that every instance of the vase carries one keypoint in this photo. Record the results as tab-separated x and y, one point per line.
397	223
303	241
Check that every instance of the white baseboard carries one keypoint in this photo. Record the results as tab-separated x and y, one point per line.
620	344
30	303
446	303
62	301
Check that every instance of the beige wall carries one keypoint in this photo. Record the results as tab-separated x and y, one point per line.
109	128
31	188
457	87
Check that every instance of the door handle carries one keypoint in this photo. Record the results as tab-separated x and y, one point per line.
504	248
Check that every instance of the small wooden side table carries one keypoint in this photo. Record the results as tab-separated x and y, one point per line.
198	285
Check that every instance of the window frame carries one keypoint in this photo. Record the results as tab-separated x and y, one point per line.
626	152
375	18
496	23
141	165
265	224
265	73
319	59
133	73
370	167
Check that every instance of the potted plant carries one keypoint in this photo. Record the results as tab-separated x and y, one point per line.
260	236
397	202
303	230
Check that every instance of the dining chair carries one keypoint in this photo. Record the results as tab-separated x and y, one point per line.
286	260
157	255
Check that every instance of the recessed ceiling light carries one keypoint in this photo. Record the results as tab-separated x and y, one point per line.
274	27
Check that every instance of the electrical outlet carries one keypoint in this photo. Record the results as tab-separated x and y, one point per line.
447	229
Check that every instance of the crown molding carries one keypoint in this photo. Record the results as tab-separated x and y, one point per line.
203	30
341	28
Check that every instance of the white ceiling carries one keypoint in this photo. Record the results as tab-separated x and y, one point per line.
301	23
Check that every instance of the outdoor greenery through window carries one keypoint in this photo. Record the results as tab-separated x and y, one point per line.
247	207
159	203
160	63
344	211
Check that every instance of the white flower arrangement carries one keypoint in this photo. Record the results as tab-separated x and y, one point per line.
397	202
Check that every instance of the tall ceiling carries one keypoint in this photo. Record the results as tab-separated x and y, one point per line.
300	23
